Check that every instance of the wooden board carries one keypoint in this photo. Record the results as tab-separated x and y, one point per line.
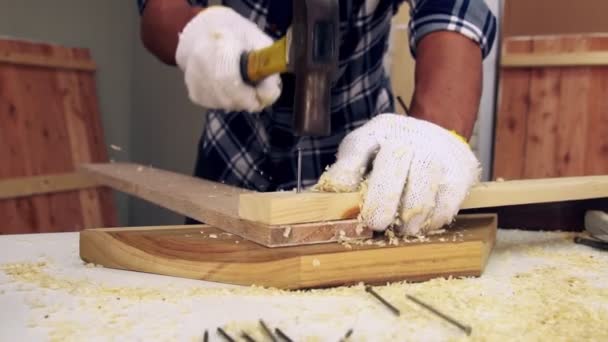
27	186
213	203
513	104
286	207
519	60
552	118
49	123
192	252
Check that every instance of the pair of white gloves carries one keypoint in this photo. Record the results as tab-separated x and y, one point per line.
420	172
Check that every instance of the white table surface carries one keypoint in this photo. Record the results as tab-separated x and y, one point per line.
537	286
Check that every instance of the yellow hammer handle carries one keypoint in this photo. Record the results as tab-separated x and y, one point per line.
259	64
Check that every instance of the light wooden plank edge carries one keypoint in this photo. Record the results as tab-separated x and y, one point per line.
37	185
94	245
17	58
525	60
483	195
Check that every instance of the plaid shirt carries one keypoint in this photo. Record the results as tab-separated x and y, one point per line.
259	151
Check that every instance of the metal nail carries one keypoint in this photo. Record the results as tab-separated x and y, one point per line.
407	111
347	335
382	300
247	337
299	187
225	334
283	335
463	327
268	331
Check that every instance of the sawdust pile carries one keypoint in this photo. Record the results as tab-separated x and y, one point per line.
533	293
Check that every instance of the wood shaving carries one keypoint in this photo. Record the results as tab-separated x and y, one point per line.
286	232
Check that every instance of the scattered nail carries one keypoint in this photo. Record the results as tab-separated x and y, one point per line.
467	329
347	335
268	331
382	300
282	335
225	335
247	337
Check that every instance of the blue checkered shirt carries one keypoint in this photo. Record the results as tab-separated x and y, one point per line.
258	151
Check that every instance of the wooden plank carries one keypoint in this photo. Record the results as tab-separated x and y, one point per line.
596	139
27	186
572	113
193	252
89	110
541	151
78	132
54	62
289	207
213	203
511	122
556	59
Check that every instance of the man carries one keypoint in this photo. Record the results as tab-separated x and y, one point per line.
422	166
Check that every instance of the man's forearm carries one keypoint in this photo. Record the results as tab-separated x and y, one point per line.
161	22
448	81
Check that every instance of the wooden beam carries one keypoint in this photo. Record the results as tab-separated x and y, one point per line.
20	58
525	60
205	253
27	186
289	207
215	204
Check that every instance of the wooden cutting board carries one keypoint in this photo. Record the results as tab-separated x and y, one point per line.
206	253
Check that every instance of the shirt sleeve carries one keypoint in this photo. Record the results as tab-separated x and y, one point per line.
471	18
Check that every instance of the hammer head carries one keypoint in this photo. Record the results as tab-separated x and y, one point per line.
313	58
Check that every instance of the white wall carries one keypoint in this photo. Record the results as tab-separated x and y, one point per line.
106	28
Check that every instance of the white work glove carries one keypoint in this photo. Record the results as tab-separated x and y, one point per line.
421	173
208	52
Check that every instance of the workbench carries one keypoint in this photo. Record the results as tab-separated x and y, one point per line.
536	286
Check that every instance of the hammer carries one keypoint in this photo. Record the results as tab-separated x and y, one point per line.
309	50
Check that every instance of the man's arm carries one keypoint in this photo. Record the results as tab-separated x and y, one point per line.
449	40
448	80
161	23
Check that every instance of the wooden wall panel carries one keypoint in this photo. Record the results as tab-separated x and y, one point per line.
544	17
49	124
542	114
566	121
596	137
513	104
